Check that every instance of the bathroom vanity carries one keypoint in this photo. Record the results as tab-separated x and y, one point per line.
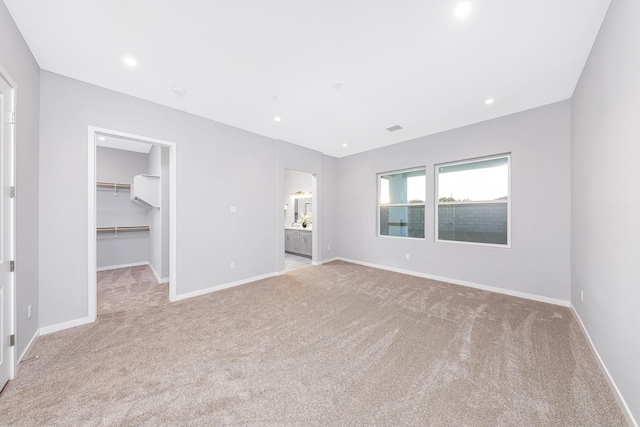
297	241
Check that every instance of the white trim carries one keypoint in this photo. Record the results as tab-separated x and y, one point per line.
66	325
27	349
155	274
92	285
503	291
612	384
327	261
13	278
224	286
115	267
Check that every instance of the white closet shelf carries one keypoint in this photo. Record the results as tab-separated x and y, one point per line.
146	189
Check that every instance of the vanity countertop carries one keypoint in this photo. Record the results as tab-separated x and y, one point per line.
288	227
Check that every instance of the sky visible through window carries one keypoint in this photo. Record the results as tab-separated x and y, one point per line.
475	185
416	188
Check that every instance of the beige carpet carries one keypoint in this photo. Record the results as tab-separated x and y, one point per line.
338	344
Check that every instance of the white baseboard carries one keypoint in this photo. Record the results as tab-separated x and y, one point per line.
223	286
115	267
324	261
463	283
26	351
65	325
612	385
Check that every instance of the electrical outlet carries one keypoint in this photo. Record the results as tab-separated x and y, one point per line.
232	265
581	295
408	256
29	311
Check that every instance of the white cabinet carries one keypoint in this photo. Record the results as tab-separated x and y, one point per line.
298	242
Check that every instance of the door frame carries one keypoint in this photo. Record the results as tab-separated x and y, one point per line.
12	362
93	132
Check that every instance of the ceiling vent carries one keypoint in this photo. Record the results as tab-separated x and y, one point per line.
394	128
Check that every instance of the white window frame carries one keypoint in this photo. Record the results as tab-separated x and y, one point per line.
379	205
437	202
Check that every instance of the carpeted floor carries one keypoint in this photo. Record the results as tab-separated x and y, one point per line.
338	344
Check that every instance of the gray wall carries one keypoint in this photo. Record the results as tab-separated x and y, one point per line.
155	215
159	233
131	247
538	261
165	212
16	59
218	166
605	243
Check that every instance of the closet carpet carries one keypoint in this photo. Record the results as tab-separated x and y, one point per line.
337	344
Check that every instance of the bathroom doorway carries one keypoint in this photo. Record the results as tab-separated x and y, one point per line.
298	219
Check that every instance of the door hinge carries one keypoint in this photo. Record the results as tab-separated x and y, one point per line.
12	266
12	340
12	192
10	117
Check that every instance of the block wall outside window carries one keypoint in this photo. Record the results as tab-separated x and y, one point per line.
474	201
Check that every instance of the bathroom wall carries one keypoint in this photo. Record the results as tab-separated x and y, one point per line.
294	181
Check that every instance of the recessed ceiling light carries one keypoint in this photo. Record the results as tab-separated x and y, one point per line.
394	128
178	90
102	138
463	9
129	61
337	85
489	101
344	145
276	118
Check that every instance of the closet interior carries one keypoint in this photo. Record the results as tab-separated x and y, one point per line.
132	205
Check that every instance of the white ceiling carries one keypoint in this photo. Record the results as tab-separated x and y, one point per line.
411	63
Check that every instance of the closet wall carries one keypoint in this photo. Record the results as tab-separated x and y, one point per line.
158	164
116	209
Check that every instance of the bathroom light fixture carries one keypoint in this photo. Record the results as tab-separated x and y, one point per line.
129	61
463	10
300	195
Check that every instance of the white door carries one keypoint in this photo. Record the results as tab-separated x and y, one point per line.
6	230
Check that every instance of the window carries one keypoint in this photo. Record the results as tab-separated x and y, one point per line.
401	203
474	201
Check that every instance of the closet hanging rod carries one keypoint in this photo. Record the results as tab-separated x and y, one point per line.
116	229
112	185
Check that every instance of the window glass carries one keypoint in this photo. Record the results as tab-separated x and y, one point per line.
473	201
401	203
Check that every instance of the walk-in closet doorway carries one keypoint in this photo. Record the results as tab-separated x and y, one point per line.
132	211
